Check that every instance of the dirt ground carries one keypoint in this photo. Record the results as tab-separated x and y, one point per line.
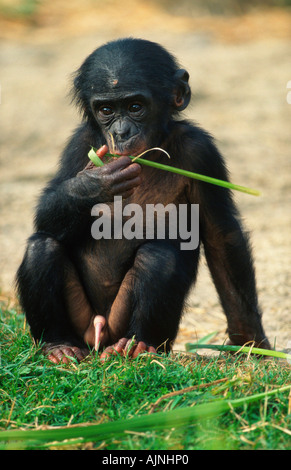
239	68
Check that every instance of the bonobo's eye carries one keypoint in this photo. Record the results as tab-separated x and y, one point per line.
106	110
135	107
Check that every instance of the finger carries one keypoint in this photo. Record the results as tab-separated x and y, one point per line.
80	354
140	348
56	356
102	151
115	349
129	347
120	345
126	186
70	352
107	353
53	359
117	164
129	172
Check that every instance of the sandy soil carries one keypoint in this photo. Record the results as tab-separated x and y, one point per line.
239	71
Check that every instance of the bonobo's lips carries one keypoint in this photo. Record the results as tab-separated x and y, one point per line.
132	153
131	147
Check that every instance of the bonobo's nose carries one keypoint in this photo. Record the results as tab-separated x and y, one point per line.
121	131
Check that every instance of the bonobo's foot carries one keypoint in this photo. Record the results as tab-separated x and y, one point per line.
57	353
126	347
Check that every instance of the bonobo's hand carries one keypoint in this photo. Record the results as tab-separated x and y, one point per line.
117	178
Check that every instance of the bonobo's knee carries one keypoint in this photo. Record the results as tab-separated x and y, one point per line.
163	263
158	256
39	281
43	254
41	247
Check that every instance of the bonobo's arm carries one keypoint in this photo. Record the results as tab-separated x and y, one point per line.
64	210
227	248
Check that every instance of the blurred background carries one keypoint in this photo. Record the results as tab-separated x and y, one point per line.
238	54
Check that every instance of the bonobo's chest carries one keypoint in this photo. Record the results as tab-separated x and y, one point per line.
159	199
160	187
120	227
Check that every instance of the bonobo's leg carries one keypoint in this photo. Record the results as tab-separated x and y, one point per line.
117	324
230	263
42	280
158	284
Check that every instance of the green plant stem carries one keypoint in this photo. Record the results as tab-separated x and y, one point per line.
245	349
161	420
197	176
179	171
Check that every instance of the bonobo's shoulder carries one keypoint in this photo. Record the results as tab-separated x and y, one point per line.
193	134
197	150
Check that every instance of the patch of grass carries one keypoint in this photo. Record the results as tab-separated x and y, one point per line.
224	402
19	9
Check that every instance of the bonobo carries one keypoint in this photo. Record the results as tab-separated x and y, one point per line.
77	290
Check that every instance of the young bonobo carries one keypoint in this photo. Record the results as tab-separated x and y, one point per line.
79	292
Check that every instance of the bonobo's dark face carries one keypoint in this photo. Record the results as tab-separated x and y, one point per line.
126	120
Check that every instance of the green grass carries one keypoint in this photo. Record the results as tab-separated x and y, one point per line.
25	9
235	402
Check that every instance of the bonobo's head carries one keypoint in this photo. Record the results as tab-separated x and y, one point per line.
131	88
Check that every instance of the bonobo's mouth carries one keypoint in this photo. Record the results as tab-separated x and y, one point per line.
132	153
133	147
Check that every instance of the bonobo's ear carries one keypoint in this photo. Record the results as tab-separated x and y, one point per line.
182	91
